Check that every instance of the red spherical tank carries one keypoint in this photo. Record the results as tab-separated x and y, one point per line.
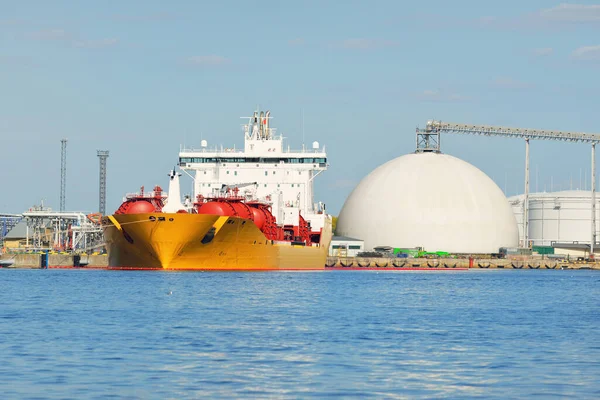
242	210
140	207
259	217
216	208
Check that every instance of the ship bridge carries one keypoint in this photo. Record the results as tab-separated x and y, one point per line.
284	176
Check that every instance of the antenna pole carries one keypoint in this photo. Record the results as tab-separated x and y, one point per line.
102	155
63	173
593	241
526	198
303	143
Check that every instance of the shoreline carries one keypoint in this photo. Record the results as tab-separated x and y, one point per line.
82	261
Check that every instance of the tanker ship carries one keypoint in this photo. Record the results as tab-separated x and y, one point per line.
251	209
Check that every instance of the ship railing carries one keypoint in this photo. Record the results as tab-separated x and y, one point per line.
217	152
145	195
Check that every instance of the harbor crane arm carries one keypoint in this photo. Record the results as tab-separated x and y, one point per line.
523	133
428	139
225	187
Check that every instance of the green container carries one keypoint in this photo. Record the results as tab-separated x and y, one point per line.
543	249
410	252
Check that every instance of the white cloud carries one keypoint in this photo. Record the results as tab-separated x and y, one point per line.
159	16
296	42
211	60
558	17
11	22
60	35
96	44
542	52
571	13
366	44
50	34
19	61
587	53
441	96
344	183
510	83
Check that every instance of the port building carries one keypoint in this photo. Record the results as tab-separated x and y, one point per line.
343	246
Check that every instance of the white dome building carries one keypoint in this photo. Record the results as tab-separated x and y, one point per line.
429	200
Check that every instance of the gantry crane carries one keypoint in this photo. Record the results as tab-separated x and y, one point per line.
428	140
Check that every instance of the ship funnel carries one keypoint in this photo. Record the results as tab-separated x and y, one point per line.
173	202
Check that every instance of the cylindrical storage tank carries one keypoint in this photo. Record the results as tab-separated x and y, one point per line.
429	200
564	216
516	203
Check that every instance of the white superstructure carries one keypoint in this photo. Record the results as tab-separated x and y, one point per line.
263	170
562	217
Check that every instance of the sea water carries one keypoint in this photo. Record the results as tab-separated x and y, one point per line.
130	334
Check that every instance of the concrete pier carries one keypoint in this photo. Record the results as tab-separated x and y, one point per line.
357	263
37	260
43	260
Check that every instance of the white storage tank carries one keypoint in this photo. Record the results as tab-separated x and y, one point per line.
429	200
563	217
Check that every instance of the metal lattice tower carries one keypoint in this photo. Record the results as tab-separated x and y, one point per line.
63	173
103	155
437	127
428	141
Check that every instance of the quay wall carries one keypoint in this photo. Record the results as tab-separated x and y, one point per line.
534	262
41	260
338	263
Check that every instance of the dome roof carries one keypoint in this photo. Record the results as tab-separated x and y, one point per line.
429	200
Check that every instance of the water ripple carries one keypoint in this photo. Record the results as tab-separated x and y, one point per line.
475	334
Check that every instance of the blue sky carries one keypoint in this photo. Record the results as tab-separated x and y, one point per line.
139	78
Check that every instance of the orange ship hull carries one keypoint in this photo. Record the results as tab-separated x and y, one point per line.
204	242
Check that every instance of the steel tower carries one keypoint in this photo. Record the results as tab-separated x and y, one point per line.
103	155
63	173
